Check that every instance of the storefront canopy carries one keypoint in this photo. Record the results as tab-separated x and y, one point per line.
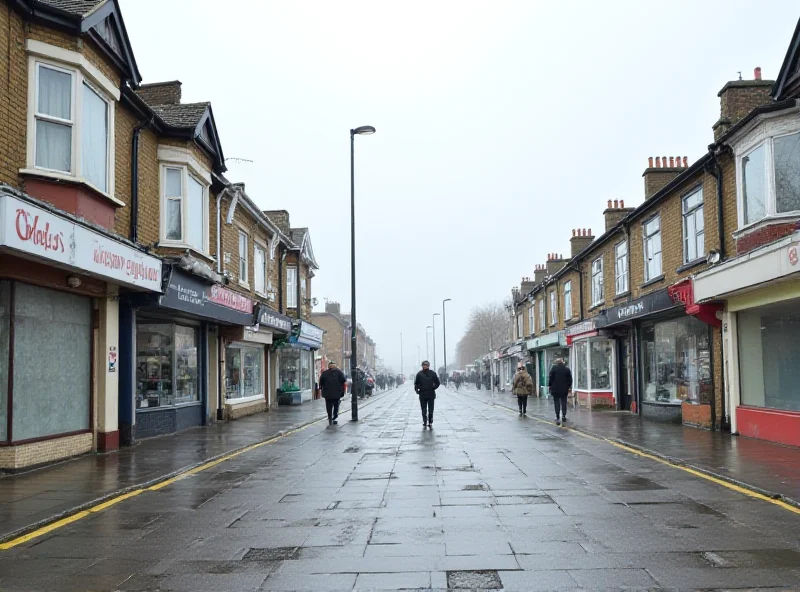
650	304
189	294
308	335
558	339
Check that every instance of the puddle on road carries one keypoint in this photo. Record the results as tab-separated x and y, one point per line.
634	483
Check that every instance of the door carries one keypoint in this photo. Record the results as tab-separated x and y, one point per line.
542	374
625	394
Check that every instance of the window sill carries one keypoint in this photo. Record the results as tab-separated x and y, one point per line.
597	305
691	265
244	285
72	179
652	282
764	222
622	295
164	244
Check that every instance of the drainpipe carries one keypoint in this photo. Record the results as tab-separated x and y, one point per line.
134	234
281	259
220	343
297	289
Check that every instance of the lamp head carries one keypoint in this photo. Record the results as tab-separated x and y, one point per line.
364	130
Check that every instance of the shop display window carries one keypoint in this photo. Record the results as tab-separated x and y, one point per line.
676	361
166	365
600	365
243	371
769	350
5	301
306	366
582	365
289	370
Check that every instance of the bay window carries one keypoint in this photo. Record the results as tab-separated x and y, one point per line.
291	287
70	125
598	288
184	209
621	267
694	245
652	248
594	362
568	301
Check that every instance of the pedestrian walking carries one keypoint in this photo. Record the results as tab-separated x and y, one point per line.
560	381
523	386
332	383
425	384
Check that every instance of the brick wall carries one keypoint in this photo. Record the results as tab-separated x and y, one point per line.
161	93
281	219
334	337
13	96
47	451
737	99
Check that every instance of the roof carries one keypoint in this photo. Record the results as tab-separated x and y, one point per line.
76	7
298	235
184	116
789	76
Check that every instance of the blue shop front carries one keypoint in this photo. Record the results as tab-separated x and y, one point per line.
296	370
170	349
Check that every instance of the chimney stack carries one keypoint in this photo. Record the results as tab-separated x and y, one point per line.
555	262
526	286
655	178
333	308
539	273
613	214
581	238
161	93
738	97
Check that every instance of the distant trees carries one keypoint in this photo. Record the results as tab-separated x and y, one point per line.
489	327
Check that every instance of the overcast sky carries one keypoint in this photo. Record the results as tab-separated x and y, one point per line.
502	125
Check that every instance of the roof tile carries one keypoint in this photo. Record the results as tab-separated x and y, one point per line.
77	7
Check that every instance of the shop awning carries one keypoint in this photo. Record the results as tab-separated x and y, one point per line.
558	339
38	231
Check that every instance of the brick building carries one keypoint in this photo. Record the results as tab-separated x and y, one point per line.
153	287
336	341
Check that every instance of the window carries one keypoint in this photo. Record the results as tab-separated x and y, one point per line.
598	290
72	127
694	235
553	308
303	289
295	369
260	269
519	326
542	320
243	262
291	287
568	301
768	353
243	371
531	319
184	209
652	248
166	370
581	365
593	364
621	267
770	177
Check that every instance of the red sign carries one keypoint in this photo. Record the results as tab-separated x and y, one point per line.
29	229
230	299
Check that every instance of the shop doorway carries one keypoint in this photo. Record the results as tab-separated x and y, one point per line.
542	375
625	395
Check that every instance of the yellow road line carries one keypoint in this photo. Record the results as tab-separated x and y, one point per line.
696	473
120	498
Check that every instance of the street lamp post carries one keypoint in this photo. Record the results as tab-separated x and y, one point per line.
444	331
427	343
364	130
401	355
433	327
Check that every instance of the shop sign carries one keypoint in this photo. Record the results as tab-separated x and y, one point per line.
582	327
187	293
38	232
257	336
644	306
309	335
274	320
551	339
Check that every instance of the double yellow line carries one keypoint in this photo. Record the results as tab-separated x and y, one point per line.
133	493
726	484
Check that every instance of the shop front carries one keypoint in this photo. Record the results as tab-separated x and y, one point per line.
593	358
296	378
662	355
59	281
177	342
544	351
509	358
761	319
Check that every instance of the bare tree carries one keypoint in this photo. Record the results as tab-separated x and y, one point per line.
487	329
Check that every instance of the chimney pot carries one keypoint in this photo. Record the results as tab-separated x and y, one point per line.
650	162
658	162
757	73
590	232
616	204
664	161
671	162
622	203
573	232
685	162
609	203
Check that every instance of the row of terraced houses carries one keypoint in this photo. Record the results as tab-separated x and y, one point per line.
141	291
686	307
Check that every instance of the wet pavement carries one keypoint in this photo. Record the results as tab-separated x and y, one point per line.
765	466
484	500
46	493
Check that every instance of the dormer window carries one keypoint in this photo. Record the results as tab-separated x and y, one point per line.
768	171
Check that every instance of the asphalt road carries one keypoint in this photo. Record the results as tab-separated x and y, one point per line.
485	500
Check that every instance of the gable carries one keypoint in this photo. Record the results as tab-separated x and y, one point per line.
106	28
787	85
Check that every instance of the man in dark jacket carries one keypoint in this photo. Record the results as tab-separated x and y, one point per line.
560	382
332	384
425	384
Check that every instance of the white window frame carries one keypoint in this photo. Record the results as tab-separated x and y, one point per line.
568	300
542	319
598	287
82	72
645	250
762	132
186	172
260	248
244	258
532	319
693	213
291	286
519	326
553	308
621	269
